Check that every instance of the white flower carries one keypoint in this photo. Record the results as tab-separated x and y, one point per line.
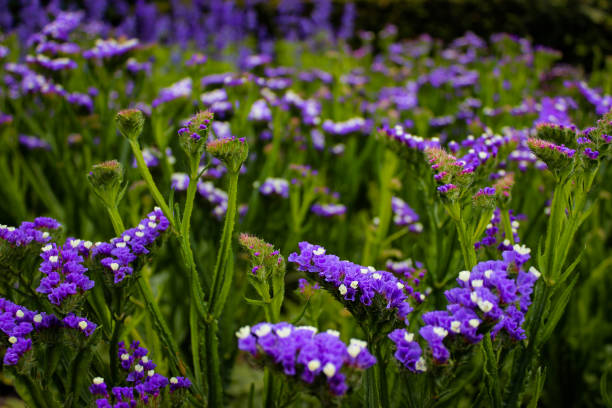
12	339
82	325
19	313
87	244
487	274
354	350
477	283
329	370
114	266
120	244
53	259
440	331
319	251
173	380
334	333
408	337
485	305
342	289
354	284
474	297
47	247
284	332
125	357
313	365
455	326
376	276
150	373
138	368
263	330
464	276
139	234
535	272
98	380
126	238
474	323
364	271
399	285
152	225
521	249
37	318
420	365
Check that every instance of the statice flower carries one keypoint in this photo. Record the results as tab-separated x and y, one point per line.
64	24
33	143
404	215
495	234
146	385
120	253
301	351
179	181
260	111
347	127
57	64
64	271
20	324
106	49
28	232
363	290
407	140
215	196
412	275
408	351
494	294
178	90
275	186
328	210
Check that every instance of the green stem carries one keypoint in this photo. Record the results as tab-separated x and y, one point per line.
213	372
492	372
505	218
146	174
385	211
116	220
221	282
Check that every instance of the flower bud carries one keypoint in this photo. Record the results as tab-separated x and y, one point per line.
194	134
130	123
106	179
232	151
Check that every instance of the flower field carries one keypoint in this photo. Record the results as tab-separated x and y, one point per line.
199	213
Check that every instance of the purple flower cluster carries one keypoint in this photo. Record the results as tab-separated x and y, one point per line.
328	210
354	284
275	186
18	323
418	143
64	271
29	232
33	143
147	384
404	215
494	294
121	252
302	351
347	127
260	111
180	89
412	275
179	181
495	235
105	49
215	196
57	64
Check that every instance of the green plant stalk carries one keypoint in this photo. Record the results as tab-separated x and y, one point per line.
197	298
216	300
146	174
492	375
213	369
384	218
505	218
222	277
558	240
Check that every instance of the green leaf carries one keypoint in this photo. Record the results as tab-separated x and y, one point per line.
556	311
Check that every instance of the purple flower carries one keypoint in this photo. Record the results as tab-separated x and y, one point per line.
304	352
